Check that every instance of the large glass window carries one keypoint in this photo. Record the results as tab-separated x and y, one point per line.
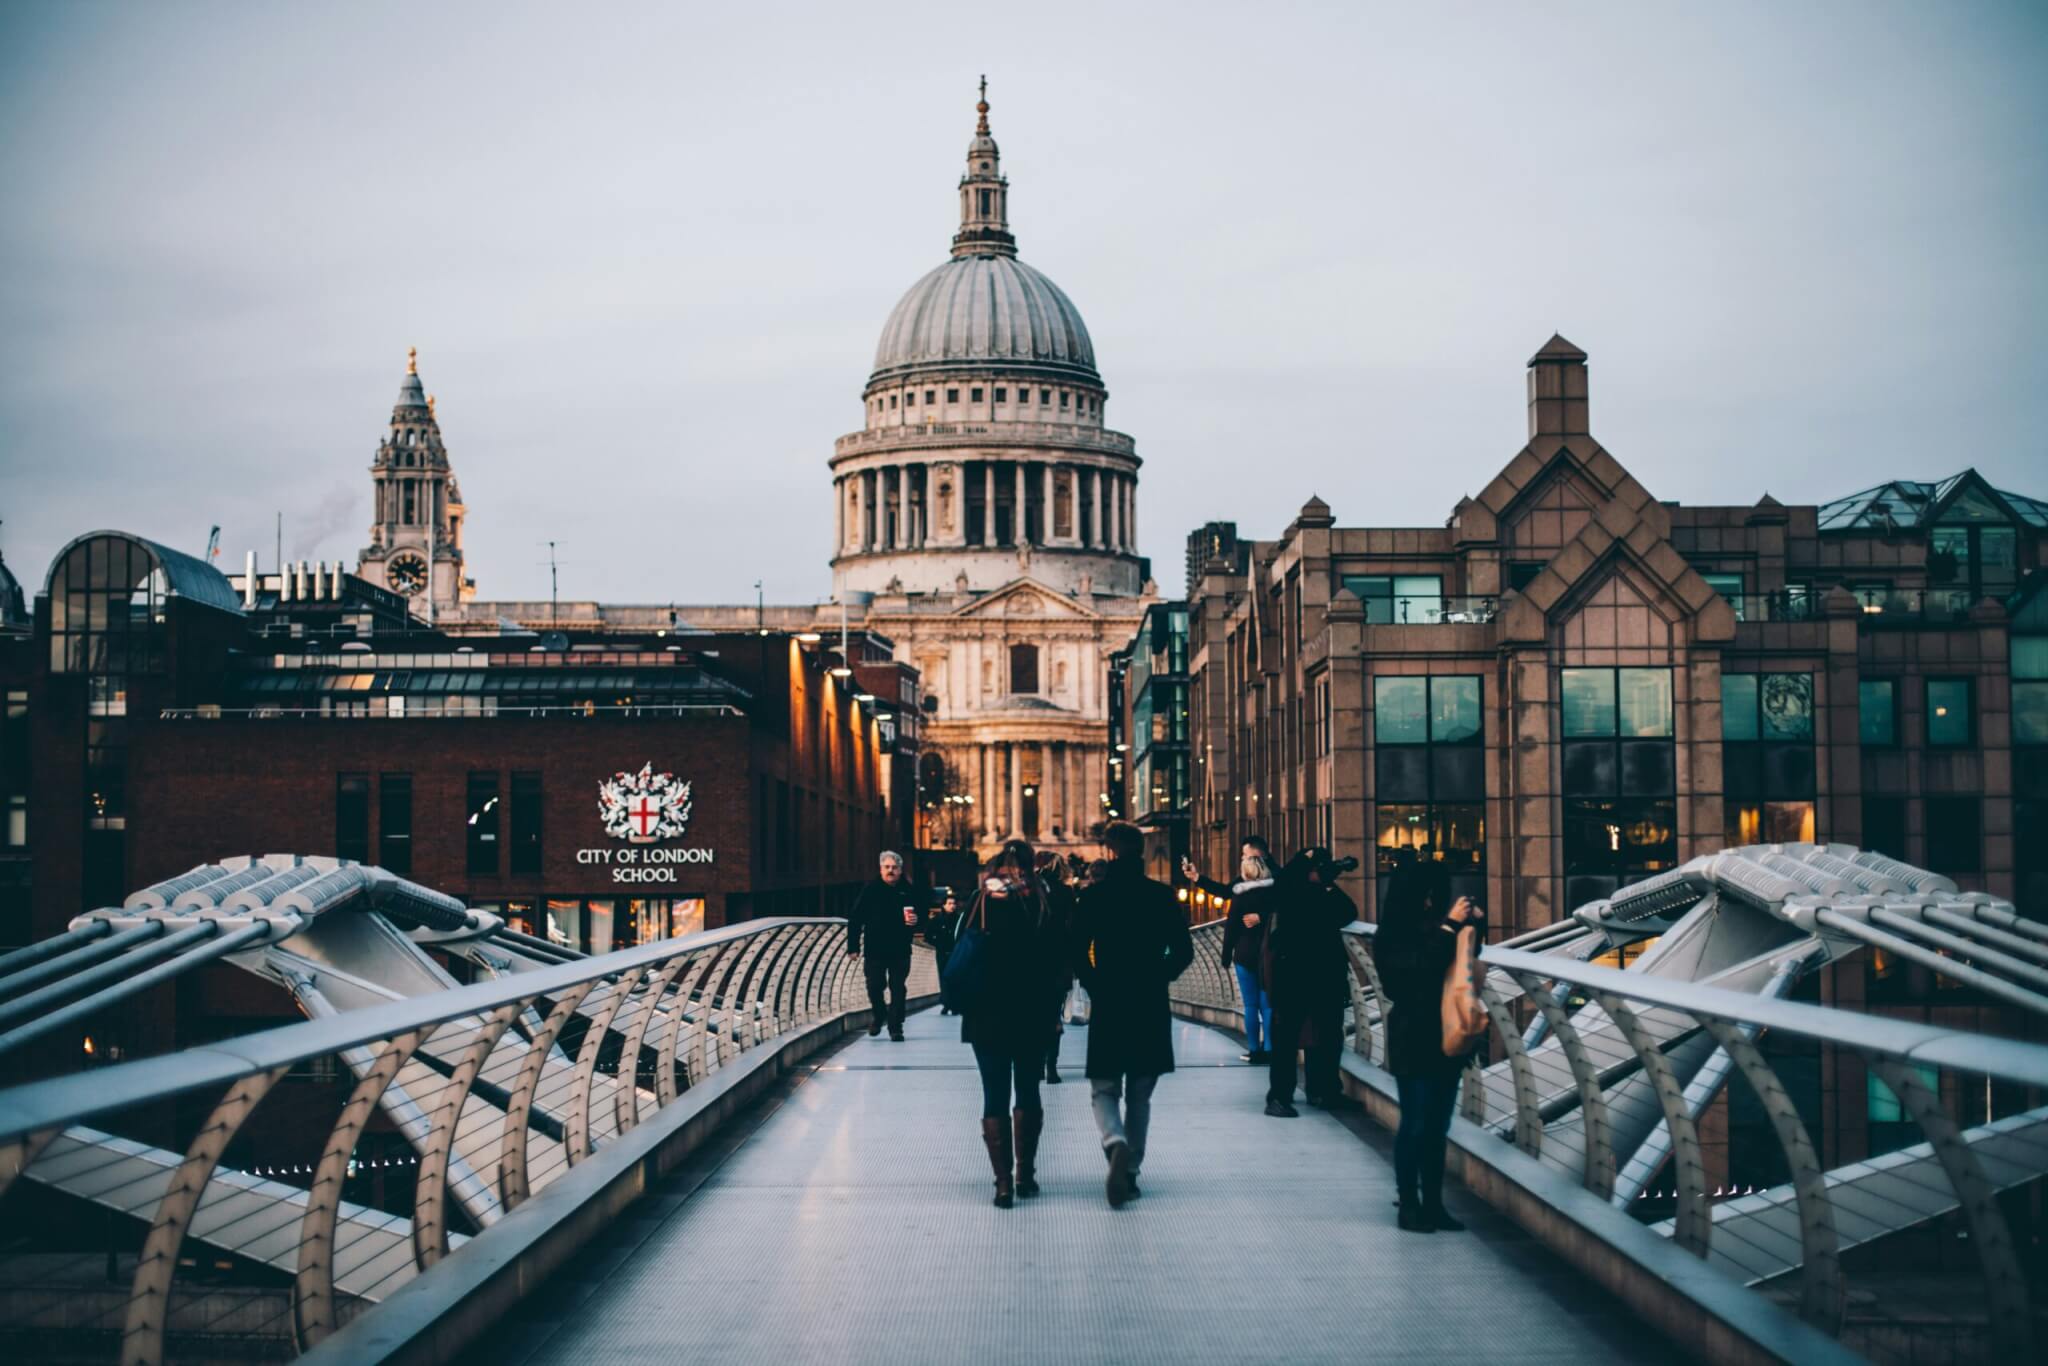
2030	690
1949	722
394	823
352	817
1955	841
1767	758
526	825
1399	599
482	835
1728	586
1877	713
1430	776
1620	778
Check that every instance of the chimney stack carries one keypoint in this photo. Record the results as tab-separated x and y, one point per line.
249	582
1557	390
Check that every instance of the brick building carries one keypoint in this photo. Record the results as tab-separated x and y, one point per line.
1570	684
170	715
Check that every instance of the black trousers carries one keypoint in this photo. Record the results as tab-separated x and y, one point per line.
1290	1014
890	969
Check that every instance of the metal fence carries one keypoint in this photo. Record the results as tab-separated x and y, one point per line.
1603	1075
485	1094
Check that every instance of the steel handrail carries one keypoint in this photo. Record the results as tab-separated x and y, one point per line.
58	1101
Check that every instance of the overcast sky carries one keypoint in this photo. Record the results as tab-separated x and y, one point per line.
645	253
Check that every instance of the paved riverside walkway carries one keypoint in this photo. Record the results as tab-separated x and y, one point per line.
847	1219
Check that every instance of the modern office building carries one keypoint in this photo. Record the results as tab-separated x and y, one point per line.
1149	760
1571	684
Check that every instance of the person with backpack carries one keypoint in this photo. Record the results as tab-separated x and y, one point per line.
1414	948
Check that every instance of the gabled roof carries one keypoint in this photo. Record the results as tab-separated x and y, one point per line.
1906	504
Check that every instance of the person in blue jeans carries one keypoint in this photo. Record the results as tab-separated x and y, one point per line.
1244	948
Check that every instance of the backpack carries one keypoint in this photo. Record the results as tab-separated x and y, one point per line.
1464	1014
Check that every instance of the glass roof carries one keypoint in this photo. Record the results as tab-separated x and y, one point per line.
1906	503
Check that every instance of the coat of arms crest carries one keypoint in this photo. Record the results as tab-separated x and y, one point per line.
644	807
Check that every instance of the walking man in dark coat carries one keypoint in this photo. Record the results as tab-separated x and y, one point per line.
1130	940
887	916
1309	976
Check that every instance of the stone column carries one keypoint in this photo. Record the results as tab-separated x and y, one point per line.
1055	773
1070	781
839	510
1050	521
1019	522
985	795
988	506
1131	521
1015	824
903	507
1094	537
1116	510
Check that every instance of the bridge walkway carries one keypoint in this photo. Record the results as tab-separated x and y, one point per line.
847	1219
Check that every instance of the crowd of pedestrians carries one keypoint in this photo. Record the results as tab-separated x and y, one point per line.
1041	939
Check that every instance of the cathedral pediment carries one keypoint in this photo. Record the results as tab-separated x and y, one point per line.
1027	598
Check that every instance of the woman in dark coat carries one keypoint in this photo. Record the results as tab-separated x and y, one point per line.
1413	949
1309	977
1010	1025
1244	948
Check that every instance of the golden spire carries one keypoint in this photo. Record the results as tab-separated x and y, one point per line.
430	405
981	123
412	360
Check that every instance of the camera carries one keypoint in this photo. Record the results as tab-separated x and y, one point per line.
1337	867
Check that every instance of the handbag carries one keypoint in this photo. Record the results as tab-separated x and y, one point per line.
963	982
1464	1014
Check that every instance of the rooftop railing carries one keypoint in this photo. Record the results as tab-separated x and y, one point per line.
1430	610
382	708
994	433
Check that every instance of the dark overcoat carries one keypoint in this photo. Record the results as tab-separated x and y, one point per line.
1412	951
1026	948
1130	939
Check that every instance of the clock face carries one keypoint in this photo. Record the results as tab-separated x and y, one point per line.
407	574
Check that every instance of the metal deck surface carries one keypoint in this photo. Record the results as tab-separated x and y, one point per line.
848	1220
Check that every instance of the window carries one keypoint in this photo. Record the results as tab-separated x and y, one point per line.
1954	835
1429	775
1002	394
1398	599
1891	1128
1023	668
1877	718
1063	398
1948	712
1767	758
1044	397
352	817
526	824
974	395
1620	778
892	400
1728	586
2030	690
15	835
931	396
952	395
1884	826
482	836
394	823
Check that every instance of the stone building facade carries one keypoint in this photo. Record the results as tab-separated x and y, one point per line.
1571	685
985	533
415	544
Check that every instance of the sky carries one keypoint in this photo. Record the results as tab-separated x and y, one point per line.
646	251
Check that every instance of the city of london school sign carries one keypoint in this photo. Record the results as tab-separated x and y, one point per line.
644	810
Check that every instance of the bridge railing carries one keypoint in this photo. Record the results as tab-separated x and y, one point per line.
1609	1090
496	1090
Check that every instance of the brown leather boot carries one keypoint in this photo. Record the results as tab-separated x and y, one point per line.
995	1136
1029	1125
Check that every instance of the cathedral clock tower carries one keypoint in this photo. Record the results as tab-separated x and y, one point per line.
416	534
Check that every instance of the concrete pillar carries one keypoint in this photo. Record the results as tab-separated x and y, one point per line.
1095	509
1018	521
1115	523
1056	784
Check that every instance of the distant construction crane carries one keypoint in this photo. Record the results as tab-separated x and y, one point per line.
213	545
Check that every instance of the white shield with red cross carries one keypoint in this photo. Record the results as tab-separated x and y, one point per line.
644	807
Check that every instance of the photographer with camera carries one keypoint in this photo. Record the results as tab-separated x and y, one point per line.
1308	976
1414	949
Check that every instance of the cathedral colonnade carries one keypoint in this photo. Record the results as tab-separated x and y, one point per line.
1040	790
936	504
